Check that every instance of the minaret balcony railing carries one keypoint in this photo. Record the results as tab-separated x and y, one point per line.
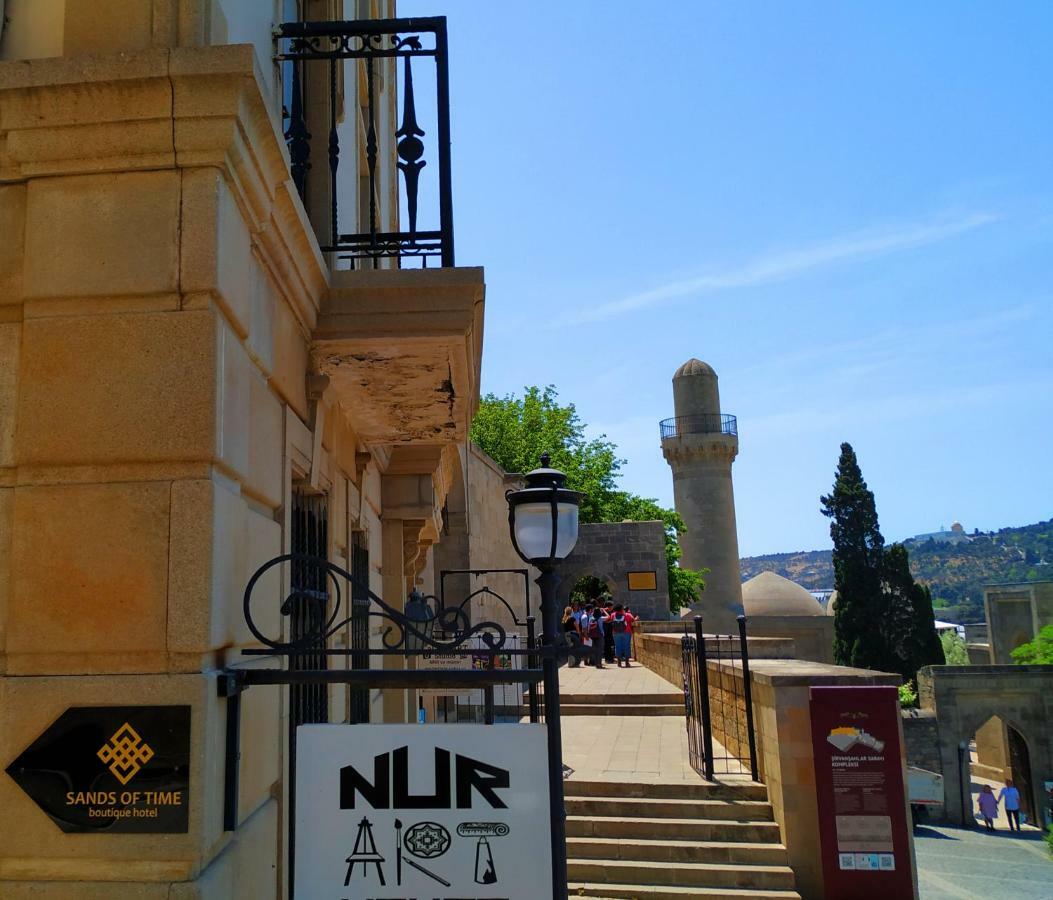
393	146
702	423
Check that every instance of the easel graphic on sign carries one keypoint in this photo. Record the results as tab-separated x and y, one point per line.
365	852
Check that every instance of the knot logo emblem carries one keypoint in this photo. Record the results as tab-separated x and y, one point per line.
125	753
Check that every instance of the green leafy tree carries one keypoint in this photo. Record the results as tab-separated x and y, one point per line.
858	555
1038	652
515	431
955	652
908	696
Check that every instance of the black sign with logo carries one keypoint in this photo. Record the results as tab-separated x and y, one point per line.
111	769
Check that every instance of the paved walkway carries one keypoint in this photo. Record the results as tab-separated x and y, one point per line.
636	679
629	748
970	864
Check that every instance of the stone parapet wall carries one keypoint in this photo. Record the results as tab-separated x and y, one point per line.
782	723
782	720
661	653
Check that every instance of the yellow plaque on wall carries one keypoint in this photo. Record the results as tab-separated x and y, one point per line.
643	581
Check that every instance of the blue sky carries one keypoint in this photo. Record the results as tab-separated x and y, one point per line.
845	208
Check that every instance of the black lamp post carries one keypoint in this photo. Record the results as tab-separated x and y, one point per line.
543	521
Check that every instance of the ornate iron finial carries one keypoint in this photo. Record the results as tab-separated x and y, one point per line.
545	460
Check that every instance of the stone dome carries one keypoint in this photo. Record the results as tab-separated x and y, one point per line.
695	367
831	603
769	594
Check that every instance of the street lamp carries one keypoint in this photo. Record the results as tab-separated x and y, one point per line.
420	614
543	523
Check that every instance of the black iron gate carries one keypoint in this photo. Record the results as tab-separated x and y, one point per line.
320	586
719	702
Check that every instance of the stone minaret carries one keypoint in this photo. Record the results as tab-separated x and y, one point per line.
700	445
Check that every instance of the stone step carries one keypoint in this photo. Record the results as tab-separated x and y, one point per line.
669	851
653	709
677	790
720	875
662	892
668	697
633	827
636	807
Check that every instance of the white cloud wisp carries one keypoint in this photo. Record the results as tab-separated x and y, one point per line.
788	264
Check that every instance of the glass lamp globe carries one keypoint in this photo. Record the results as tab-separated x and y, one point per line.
543	516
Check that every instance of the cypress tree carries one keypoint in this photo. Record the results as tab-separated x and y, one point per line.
858	556
909	622
883	619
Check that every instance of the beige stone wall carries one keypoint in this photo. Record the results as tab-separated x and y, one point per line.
159	287
780	685
812	636
784	746
1015	614
661	653
475	536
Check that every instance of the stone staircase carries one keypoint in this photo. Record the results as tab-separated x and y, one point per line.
674	840
662	704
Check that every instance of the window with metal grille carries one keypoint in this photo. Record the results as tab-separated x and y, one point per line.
359	711
309	589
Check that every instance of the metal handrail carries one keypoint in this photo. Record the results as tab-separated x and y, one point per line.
701	423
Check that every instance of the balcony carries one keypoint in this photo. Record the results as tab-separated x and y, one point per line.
359	133
705	423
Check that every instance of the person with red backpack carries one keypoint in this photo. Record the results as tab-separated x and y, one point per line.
620	624
593	624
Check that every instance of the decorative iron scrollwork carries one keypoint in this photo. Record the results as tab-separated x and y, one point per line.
451	623
300	45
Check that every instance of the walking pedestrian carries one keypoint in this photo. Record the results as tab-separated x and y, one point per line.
988	805
1011	796
620	627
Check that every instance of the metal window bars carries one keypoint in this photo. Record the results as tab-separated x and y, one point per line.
718	702
400	139
309	602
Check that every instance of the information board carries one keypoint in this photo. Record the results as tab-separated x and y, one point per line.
863	825
389	812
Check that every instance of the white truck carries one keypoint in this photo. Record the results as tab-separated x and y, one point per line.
924	791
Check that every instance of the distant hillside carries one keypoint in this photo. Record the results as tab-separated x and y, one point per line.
955	573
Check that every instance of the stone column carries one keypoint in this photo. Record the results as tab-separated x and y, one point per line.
700	448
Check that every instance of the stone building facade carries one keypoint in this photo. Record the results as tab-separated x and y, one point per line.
1015	613
183	372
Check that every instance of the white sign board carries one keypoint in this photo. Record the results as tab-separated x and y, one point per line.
428	812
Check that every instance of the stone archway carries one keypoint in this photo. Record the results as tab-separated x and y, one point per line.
614	552
1002	752
965	698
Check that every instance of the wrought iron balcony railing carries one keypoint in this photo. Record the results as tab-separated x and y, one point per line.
313	57
703	423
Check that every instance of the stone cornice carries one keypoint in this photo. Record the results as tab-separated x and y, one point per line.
701	448
160	109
